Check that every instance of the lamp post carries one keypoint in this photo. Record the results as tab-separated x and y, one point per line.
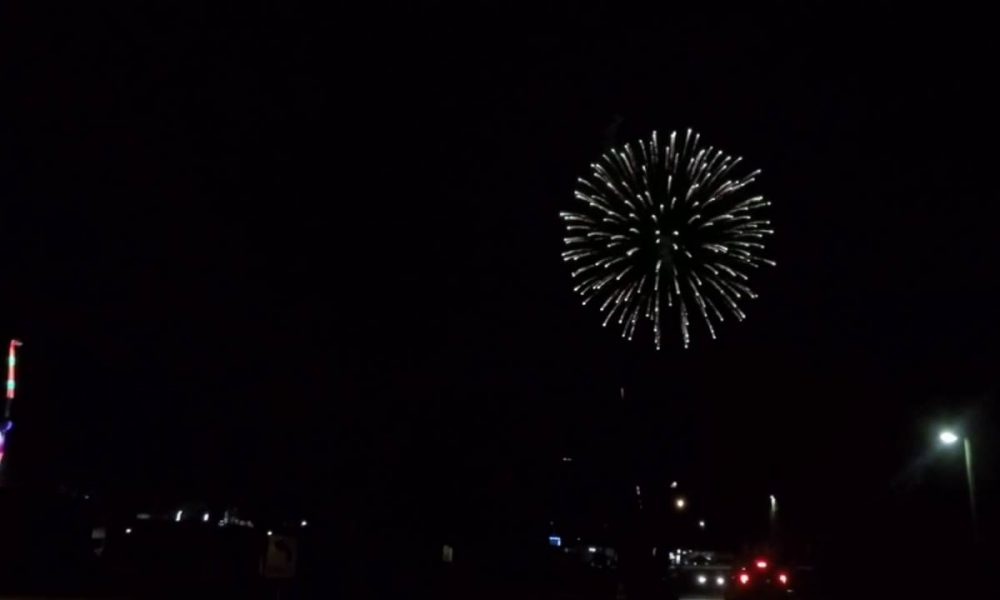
950	438
773	520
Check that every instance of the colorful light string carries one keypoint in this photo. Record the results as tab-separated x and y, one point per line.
7	424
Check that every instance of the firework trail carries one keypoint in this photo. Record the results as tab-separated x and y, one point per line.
665	227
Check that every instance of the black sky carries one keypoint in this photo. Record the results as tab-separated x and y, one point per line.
256	248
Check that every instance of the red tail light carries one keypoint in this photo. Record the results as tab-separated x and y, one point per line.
783	578
744	579
761	563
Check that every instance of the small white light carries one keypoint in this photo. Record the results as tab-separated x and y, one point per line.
673	485
591	549
720	581
701	524
680	503
948	437
303	523
178	516
204	518
269	533
128	530
702	580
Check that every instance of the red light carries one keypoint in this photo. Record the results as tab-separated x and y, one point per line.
744	579
783	578
761	564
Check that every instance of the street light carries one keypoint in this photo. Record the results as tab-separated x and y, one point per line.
680	503
773	518
950	438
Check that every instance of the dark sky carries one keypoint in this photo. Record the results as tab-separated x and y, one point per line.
255	249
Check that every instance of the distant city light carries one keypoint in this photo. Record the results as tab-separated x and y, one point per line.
591	549
204	518
179	515
701	524
720	581
680	503
128	530
303	523
143	516
673	485
269	533
555	540
702	580
948	437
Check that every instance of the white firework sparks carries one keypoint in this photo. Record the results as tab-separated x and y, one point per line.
665	227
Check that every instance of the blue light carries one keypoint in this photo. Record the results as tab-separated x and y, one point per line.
555	540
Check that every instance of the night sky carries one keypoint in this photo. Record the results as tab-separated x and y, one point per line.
257	250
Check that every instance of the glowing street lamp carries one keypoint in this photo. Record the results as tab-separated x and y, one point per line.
949	438
773	518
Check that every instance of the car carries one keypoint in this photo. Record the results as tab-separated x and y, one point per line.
759	578
709	580
700	572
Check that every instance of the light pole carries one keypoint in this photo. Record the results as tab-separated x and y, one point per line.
950	438
773	519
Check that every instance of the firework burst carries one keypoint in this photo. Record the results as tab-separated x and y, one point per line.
665	227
